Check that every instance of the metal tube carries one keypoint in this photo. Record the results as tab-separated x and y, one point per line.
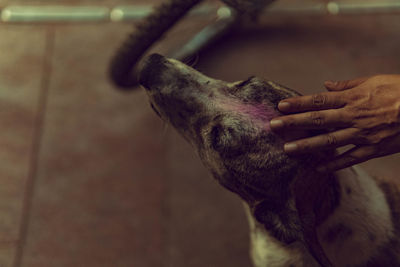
49	14
54	14
335	8
226	20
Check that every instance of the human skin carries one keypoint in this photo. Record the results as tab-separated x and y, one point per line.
364	112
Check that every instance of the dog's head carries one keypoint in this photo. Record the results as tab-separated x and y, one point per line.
228	124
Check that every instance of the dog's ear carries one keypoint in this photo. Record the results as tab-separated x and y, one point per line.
258	90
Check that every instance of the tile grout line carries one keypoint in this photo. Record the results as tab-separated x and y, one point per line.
36	145
166	209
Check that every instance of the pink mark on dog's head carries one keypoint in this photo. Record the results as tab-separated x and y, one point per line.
258	113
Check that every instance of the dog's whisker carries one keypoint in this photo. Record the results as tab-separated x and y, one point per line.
195	60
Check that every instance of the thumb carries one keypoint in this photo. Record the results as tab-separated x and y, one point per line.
344	85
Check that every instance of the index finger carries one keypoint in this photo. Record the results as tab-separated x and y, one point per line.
326	100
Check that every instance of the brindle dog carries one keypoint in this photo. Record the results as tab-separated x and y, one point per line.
298	216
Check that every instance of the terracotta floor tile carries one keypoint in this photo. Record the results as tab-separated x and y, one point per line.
7	254
206	225
98	196
21	66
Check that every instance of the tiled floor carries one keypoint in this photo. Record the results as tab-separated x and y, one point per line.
97	199
89	175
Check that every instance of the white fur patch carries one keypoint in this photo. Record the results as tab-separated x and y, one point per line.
266	251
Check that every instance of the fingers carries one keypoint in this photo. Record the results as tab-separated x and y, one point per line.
332	99
344	85
320	101
351	157
329	140
312	120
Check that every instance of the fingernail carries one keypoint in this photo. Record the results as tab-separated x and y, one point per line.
283	106
276	124
290	147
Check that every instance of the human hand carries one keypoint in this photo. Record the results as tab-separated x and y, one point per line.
364	112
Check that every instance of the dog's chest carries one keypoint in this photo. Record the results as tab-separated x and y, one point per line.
361	231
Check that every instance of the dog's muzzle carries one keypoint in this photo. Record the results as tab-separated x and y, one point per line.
152	72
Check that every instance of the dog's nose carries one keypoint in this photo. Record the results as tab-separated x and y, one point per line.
151	74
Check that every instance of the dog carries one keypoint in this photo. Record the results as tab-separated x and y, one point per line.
297	215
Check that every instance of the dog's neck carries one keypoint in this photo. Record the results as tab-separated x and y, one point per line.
361	229
357	229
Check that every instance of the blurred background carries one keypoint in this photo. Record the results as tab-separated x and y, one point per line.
89	176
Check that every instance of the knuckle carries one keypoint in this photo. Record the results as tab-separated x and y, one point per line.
331	140
354	96
381	88
316	119
318	100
